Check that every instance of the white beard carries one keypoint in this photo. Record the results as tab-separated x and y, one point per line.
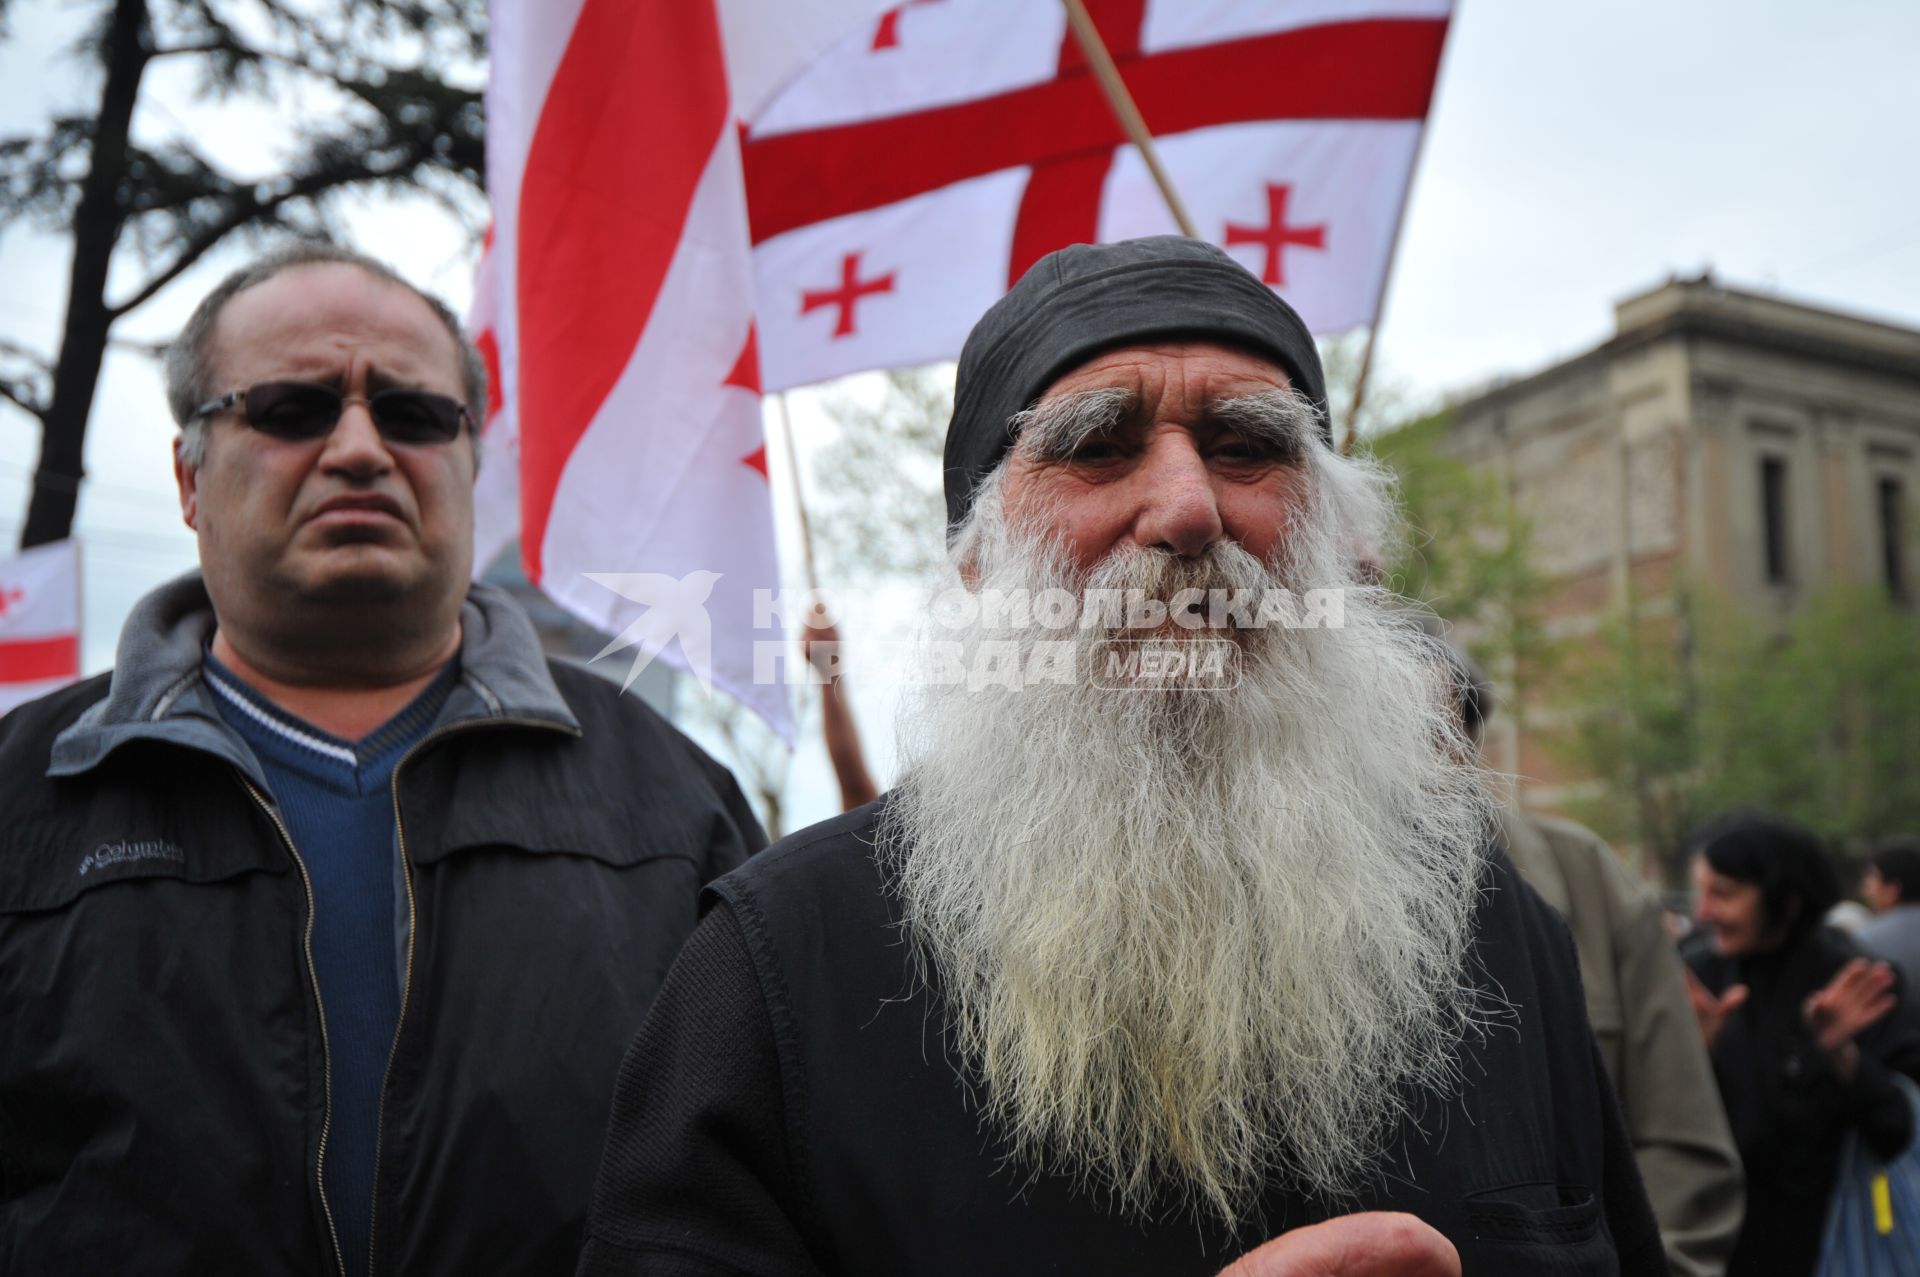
1194	942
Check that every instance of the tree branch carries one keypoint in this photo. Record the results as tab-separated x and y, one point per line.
211	46
21	392
155	350
14	350
248	209
23	399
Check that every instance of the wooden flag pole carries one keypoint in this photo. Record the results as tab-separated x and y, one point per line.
1360	380
799	495
1124	109
838	728
1379	312
1380	299
1379	309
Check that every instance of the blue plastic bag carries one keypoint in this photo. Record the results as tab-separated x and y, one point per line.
1873	1225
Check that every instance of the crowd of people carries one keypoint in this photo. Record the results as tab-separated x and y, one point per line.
342	932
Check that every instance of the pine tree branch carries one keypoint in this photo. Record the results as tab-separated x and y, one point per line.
249	209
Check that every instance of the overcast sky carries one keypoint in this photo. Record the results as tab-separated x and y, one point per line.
1576	154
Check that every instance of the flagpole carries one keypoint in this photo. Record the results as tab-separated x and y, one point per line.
1360	381
1125	110
838	729
799	496
1386	277
1373	329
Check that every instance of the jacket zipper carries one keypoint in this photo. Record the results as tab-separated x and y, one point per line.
413	935
326	1051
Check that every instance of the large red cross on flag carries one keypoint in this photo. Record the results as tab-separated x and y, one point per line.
951	146
39	622
698	200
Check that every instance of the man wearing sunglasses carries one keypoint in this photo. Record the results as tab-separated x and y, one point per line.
325	918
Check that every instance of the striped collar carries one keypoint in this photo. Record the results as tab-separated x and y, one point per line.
401	730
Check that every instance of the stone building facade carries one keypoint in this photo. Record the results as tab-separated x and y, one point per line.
1758	447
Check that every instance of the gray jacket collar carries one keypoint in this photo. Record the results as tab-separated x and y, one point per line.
157	692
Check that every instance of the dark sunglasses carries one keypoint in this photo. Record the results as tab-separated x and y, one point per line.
301	411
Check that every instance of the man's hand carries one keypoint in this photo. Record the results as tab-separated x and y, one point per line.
1858	996
1712	1012
1370	1244
820	645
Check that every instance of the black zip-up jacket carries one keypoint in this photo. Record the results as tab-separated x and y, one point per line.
163	1062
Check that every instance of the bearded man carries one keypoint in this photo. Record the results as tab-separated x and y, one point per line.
1133	974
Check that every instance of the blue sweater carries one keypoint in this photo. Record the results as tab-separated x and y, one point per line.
336	799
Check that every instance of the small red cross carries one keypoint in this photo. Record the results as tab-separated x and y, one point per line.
1276	234
851	290
9	597
887	34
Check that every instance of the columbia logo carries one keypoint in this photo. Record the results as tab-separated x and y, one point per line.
115	853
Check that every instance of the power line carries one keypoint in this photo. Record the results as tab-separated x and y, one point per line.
128	495
120	542
172	546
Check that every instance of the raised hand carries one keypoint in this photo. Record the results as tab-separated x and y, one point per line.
1860	994
1370	1244
819	646
1713	1011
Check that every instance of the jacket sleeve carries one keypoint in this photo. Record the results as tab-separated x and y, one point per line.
696	1180
1874	1104
1672	1103
1878	1110
736	834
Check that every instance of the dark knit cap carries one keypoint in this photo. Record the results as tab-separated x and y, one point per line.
1083	300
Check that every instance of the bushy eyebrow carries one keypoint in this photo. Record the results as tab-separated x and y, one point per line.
1054	429
1284	420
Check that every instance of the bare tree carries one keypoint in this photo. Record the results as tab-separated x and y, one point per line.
878	512
396	120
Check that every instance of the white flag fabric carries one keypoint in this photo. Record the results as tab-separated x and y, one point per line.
616	309
698	200
912	173
39	622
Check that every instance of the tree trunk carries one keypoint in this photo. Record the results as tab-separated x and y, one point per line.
96	229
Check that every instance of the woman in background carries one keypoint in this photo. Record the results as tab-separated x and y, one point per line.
1804	1032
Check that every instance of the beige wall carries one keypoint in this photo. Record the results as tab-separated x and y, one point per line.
1638	464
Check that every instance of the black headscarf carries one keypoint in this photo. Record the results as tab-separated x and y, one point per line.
1083	300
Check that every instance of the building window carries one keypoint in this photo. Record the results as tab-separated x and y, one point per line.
1893	535
1773	515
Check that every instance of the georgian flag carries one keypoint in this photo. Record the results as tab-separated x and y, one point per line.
696	201
39	622
910	175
